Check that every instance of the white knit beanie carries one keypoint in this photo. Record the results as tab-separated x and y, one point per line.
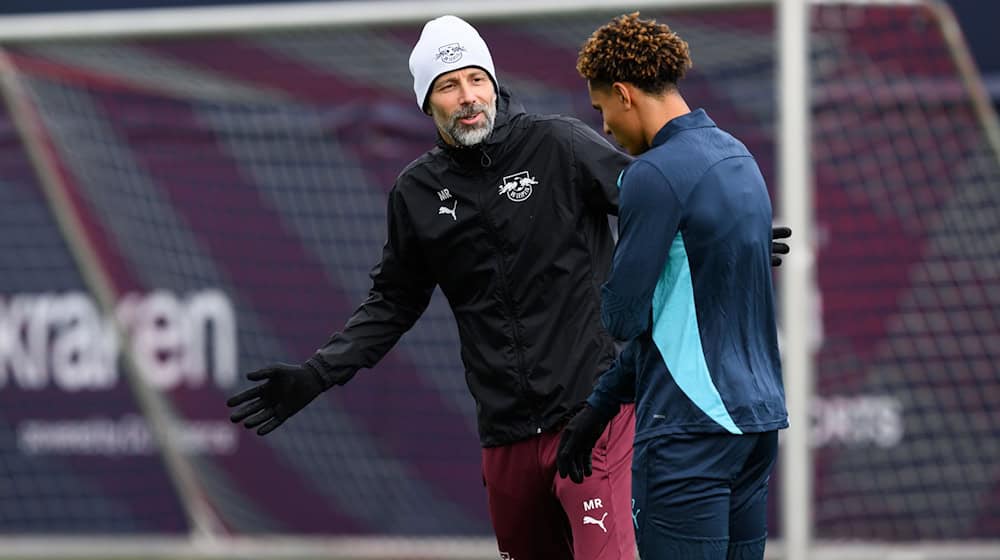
447	43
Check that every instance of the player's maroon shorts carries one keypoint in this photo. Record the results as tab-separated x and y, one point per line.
539	516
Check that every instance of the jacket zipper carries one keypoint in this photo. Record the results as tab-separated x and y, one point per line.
522	376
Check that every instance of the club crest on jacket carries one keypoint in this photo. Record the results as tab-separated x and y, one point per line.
518	186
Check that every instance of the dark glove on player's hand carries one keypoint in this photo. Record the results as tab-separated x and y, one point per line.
576	445
778	248
285	390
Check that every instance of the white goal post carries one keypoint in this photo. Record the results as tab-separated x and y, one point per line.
798	282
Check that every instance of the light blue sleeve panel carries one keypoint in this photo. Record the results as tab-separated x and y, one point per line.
678	337
648	219
616	386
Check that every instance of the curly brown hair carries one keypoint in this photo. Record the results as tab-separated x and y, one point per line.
641	52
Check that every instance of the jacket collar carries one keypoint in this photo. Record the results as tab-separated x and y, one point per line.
695	119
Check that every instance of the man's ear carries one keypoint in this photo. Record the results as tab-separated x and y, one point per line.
622	93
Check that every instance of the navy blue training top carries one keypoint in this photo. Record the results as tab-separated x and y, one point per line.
690	288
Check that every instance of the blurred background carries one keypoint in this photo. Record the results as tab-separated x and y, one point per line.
180	207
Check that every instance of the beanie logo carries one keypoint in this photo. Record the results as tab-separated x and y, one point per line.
452	52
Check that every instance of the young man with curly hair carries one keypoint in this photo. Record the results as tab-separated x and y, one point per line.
690	289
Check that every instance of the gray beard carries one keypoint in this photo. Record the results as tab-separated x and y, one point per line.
469	136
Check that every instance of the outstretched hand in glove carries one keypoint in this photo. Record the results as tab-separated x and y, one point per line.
285	390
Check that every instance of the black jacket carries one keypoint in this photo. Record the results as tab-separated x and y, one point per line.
515	232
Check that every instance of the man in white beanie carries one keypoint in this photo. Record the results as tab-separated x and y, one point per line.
508	215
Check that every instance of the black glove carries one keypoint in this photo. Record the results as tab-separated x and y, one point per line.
778	248
577	442
286	389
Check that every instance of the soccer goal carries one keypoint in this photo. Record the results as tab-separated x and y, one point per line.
189	194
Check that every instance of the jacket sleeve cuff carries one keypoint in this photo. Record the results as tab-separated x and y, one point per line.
329	376
605	407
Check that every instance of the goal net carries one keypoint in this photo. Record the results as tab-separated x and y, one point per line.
177	209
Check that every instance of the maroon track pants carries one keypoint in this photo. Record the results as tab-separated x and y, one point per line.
539	516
